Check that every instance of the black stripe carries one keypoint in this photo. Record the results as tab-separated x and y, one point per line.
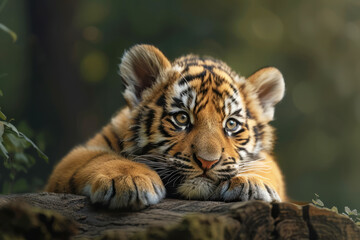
163	131
237	112
257	133
235	90
151	146
149	121
156	189
107	141
209	67
243	141
197	161
228	170
169	148
176	128
178	156
114	190
227	163
184	166
218	81
217	93
227	94
248	114
136	124
185	92
177	103
251	191
238	132
268	189
227	176
137	191
161	126
199	107
217	107
190	99
161	101
189	78
120	143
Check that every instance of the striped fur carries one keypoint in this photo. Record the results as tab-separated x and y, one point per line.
181	117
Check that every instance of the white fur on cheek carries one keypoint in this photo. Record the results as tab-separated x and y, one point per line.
178	68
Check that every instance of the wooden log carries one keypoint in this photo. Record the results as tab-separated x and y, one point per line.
170	219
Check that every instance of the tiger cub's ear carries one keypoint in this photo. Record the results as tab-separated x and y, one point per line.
270	87
139	69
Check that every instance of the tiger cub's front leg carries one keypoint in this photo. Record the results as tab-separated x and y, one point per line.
244	188
266	184
108	179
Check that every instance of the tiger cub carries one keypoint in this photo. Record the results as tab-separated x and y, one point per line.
192	128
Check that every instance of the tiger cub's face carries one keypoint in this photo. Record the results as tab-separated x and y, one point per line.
195	121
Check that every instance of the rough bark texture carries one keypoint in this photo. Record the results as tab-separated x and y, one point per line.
24	215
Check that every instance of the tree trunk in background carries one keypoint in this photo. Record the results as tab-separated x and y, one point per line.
54	74
171	219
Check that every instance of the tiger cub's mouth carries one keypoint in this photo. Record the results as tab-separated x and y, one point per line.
206	175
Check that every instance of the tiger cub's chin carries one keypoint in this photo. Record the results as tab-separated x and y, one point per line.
198	188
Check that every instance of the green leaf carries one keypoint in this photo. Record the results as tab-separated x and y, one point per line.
1	93
13	129
3	150
1	130
14	143
9	31
40	153
318	202
335	209
347	210
2	115
352	212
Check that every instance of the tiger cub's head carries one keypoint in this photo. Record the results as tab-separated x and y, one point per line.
195	121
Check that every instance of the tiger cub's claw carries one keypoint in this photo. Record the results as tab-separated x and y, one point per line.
133	191
244	189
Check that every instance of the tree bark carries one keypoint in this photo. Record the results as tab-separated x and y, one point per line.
170	219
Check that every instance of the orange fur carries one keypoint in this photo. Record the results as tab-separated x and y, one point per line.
144	146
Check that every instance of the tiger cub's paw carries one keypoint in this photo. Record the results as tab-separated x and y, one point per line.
244	189
133	190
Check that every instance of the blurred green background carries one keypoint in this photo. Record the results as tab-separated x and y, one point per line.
60	77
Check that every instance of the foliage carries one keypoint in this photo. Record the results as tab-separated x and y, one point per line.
5	28
14	145
352	214
15	148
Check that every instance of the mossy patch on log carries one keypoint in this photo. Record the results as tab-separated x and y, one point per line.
20	221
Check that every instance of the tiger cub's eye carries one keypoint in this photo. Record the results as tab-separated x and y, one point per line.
182	119
232	125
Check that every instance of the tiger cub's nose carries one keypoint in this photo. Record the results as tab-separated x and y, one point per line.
205	164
